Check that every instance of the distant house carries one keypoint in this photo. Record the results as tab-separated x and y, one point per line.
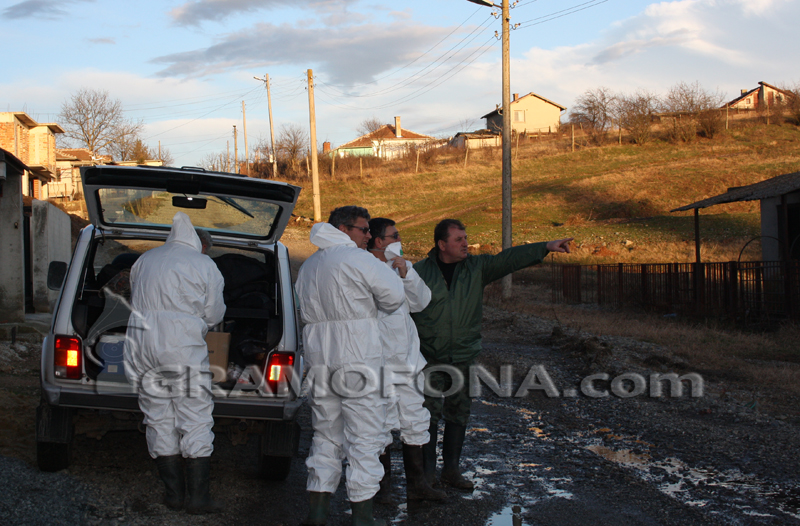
68	164
387	142
33	144
530	114
765	95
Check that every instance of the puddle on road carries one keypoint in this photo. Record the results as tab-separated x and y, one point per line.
510	516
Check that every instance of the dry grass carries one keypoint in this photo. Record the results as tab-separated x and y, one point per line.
593	194
765	360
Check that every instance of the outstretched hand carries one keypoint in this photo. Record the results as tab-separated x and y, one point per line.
559	245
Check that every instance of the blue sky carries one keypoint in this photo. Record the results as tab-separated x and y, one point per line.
184	67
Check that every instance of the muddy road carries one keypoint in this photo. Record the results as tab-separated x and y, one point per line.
721	458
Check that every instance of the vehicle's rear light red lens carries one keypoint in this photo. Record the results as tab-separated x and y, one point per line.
67	357
279	371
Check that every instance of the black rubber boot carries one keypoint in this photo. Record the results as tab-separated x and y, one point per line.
429	455
452	443
198	475
417	485
384	495
362	514
318	505
170	469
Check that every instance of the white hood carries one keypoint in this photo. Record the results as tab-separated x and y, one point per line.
183	232
325	235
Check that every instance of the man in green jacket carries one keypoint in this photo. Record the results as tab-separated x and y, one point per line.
450	329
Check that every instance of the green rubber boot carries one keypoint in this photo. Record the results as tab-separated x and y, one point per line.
170	469
362	514
318	505
452	443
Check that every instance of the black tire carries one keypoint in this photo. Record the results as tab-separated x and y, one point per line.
52	456
275	469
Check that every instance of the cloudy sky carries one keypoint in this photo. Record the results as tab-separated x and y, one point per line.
184	67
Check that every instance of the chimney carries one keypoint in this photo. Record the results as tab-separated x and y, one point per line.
397	131
744	91
516	96
326	147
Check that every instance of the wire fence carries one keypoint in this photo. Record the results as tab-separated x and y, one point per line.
741	290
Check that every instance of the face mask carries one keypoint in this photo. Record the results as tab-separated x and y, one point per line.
394	250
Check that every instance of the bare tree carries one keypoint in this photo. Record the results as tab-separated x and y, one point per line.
291	142
94	120
368	126
791	103
594	111
635	113
693	109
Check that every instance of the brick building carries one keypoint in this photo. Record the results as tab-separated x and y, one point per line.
35	145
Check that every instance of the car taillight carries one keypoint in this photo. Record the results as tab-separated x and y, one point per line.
67	357
279	372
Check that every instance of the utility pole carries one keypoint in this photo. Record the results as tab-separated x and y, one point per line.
506	281
312	117
235	151
265	80
246	155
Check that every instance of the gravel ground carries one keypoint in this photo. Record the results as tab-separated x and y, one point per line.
725	458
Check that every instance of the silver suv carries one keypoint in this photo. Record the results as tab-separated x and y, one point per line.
256	386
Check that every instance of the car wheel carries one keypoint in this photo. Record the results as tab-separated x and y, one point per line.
52	456
274	468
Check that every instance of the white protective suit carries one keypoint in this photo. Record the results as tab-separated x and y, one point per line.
404	362
340	289
176	295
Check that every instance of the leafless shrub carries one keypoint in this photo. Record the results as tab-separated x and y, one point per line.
791	104
686	103
635	113
291	145
594	111
368	126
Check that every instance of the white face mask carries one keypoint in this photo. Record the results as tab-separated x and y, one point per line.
394	250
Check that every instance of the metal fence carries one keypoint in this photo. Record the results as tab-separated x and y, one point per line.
752	289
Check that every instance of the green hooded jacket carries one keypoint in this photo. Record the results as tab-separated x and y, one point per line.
450	326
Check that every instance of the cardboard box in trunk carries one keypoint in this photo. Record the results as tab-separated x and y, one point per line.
218	344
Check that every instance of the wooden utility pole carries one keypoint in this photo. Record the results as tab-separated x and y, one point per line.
573	136
246	155
159	152
235	151
312	118
271	131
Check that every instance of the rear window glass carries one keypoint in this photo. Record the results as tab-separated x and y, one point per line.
148	208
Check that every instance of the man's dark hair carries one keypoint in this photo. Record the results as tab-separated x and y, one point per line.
377	227
442	231
347	215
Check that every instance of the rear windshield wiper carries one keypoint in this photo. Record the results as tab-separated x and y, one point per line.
230	202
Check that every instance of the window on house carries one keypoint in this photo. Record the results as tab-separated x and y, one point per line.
519	116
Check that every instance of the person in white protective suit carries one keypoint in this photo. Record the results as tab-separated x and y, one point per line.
341	288
176	295
403	367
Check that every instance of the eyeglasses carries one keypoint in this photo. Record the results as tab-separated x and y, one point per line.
364	229
394	236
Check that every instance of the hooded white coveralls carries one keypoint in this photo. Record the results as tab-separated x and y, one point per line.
340	289
176	295
404	362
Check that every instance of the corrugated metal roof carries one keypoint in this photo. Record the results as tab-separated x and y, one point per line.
777	186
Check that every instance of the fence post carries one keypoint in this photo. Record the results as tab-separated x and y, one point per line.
643	272
733	287
599	285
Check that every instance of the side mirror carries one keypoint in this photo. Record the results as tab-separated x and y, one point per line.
56	273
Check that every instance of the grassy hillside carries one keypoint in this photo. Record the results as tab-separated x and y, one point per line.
614	199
